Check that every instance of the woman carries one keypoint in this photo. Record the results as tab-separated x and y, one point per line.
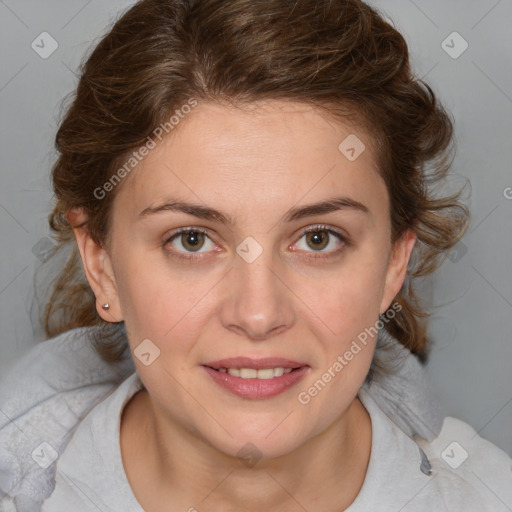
248	185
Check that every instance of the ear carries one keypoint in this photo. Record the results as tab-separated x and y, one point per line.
97	266
397	268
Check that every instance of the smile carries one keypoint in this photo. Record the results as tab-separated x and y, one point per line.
256	378
252	373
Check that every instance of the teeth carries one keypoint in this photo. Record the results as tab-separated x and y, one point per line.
248	373
265	373
251	373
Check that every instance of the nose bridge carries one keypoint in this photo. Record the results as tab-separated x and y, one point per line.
258	302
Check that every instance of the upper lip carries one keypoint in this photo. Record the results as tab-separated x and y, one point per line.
257	364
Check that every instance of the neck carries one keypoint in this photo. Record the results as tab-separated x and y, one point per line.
325	473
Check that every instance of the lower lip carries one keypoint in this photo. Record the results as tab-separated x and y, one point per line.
257	388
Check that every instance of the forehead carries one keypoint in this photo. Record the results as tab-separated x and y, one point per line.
266	153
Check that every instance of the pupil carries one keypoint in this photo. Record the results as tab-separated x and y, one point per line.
192	239
317	238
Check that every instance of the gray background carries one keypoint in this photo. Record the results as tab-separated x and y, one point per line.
470	296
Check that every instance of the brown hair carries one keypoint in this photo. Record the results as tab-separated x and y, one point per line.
338	55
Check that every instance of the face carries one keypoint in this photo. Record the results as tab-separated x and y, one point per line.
250	281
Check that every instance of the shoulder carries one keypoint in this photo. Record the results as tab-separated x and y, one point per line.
56	367
456	470
469	471
96	444
43	397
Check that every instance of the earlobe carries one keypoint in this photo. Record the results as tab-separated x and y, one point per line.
97	267
397	268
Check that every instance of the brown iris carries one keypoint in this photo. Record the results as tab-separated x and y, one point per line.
316	238
192	240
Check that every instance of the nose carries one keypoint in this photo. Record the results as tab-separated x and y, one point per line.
258	303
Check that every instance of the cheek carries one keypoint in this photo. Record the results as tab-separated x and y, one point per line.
349	310
159	302
347	300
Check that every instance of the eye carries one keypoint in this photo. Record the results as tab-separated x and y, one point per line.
187	243
320	237
190	239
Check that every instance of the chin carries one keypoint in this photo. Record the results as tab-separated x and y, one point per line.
268	439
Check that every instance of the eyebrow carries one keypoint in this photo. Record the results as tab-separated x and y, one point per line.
296	213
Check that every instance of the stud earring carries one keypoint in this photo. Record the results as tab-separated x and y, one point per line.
106	307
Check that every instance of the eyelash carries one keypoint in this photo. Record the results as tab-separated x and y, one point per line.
314	229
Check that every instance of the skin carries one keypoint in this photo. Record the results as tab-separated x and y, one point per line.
180	438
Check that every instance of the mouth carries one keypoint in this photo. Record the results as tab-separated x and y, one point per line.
256	378
252	373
